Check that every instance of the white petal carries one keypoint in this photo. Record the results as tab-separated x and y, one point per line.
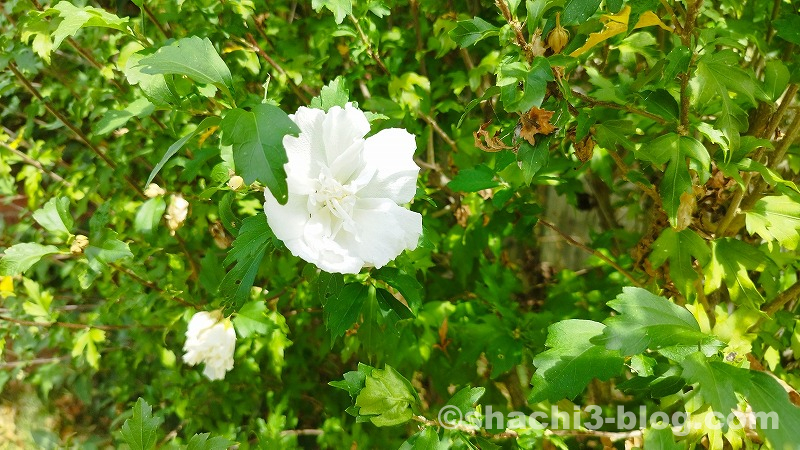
390	153
307	150
343	133
385	230
328	254
286	221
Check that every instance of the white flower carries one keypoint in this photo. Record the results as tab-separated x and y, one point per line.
153	190
210	339
176	214
345	192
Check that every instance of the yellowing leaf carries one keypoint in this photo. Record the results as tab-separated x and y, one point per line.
616	24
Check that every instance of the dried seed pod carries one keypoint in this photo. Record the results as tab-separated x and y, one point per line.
558	37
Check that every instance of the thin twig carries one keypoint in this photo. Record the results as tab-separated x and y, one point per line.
435	125
783	299
251	41
81	136
370	51
592	251
628	108
79	326
515	25
27	160
153	286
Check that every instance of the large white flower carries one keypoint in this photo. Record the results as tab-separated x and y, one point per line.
210	339
345	192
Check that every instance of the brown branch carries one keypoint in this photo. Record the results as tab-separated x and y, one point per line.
515	25
155	21
81	136
79	326
592	251
153	286
783	299
435	125
628	108
370	51
27	160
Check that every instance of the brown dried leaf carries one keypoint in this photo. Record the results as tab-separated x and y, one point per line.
536	121
486	142
584	149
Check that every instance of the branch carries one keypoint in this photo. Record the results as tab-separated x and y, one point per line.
372	53
79	326
628	108
153	286
783	299
435	125
251	41
592	251
515	25
81	136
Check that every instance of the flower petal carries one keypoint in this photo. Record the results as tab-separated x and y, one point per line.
306	150
343	133
384	231
390	153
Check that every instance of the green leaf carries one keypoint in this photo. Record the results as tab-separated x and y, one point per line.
193	57
105	248
466	399
426	439
332	94
257	140
788	27
75	18
767	397
55	216
251	319
731	259
714	382
677	62
661	438
248	250
468	32
155	87
387	397
149	216
473	179
353	381
649	321
776	78
578	11
141	430
407	284
611	133
572	361
679	247
489	93
534	157
115	119
388	302
207	123
534	81
85	343
339	8
776	218
202	442
20	257
341	312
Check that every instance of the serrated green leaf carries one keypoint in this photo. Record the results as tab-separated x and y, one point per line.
115	119
353	382
715	382
661	439
388	302
141	430
20	257
202	442
572	361
776	218
104	249
332	94
768	398
408	286
468	32
248	250
341	312
649	321
74	18
679	247
54	216
155	87
86	343
731	259
611	133
193	57
339	8
387	398
250	319
257	140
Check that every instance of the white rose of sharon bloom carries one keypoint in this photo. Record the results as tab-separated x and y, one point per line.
345	192
210	339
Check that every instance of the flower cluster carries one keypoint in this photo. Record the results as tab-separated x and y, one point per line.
345	192
210	339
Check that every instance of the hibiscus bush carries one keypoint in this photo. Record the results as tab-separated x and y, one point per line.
410	224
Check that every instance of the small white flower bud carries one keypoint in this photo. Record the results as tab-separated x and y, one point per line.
80	243
176	214
153	190
236	182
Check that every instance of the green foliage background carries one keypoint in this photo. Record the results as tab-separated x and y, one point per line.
672	161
